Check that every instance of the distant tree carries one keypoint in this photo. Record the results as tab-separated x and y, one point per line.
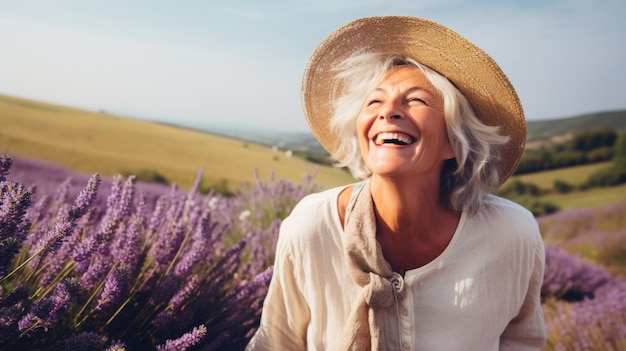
616	173
591	139
620	150
600	154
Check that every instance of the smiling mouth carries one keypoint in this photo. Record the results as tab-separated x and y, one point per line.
393	138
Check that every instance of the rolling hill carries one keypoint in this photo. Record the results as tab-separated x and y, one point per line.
96	142
546	129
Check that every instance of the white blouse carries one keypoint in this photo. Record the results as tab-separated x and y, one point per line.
481	293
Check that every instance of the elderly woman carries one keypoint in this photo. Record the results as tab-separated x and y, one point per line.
418	255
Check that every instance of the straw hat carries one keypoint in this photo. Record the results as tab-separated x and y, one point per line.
469	68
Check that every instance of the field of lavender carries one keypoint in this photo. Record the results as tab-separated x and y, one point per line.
116	264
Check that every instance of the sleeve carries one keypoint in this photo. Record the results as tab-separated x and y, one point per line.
527	330
285	315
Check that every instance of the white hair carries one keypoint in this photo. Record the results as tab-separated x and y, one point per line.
466	179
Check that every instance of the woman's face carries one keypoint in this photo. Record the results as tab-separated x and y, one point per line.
401	127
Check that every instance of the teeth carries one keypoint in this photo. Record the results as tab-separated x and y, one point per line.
394	138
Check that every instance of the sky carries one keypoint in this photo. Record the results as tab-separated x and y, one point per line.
238	63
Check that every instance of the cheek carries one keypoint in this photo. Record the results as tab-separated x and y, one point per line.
363	125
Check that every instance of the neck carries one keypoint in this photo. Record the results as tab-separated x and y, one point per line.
411	207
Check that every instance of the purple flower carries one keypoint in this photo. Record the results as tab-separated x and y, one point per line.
569	277
173	309
96	272
157	215
46	311
218	341
113	289
11	308
5	166
81	341
14	202
186	341
169	244
85	198
127	248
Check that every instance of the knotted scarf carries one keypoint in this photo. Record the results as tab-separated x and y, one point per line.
380	286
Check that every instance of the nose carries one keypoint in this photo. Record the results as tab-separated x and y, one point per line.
389	111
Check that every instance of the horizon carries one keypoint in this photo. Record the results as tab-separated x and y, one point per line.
210	64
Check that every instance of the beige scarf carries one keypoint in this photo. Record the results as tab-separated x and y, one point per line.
369	269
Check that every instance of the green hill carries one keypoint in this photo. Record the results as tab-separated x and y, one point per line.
547	129
96	142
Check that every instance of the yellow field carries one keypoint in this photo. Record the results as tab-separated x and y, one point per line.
94	142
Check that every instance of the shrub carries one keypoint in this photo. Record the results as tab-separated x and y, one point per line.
536	206
607	177
147	175
563	187
517	188
600	155
220	187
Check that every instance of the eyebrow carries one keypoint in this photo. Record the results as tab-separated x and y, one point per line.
410	90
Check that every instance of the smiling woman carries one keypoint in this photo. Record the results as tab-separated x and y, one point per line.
419	255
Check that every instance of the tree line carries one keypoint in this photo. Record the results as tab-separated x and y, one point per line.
585	147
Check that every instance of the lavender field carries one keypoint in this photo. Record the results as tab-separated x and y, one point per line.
117	264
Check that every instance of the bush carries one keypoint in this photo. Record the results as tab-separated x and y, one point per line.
563	187
147	175
517	188
536	206
607	177
600	155
220	187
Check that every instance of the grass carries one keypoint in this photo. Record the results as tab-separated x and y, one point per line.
95	142
575	176
588	198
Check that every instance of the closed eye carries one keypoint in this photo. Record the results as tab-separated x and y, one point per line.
416	100
373	102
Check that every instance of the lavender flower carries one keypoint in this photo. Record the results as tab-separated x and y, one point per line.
11	307
113	290
116	346
5	166
14	202
173	309
47	311
157	215
119	205
96	272
81	341
85	198
127	248
186	341
569	277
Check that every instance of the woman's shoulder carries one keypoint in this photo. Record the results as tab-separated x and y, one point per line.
312	203
509	219
506	209
314	216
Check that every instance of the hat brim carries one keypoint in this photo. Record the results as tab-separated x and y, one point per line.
468	67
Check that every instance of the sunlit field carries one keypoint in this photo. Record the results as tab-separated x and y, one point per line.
97	142
113	263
